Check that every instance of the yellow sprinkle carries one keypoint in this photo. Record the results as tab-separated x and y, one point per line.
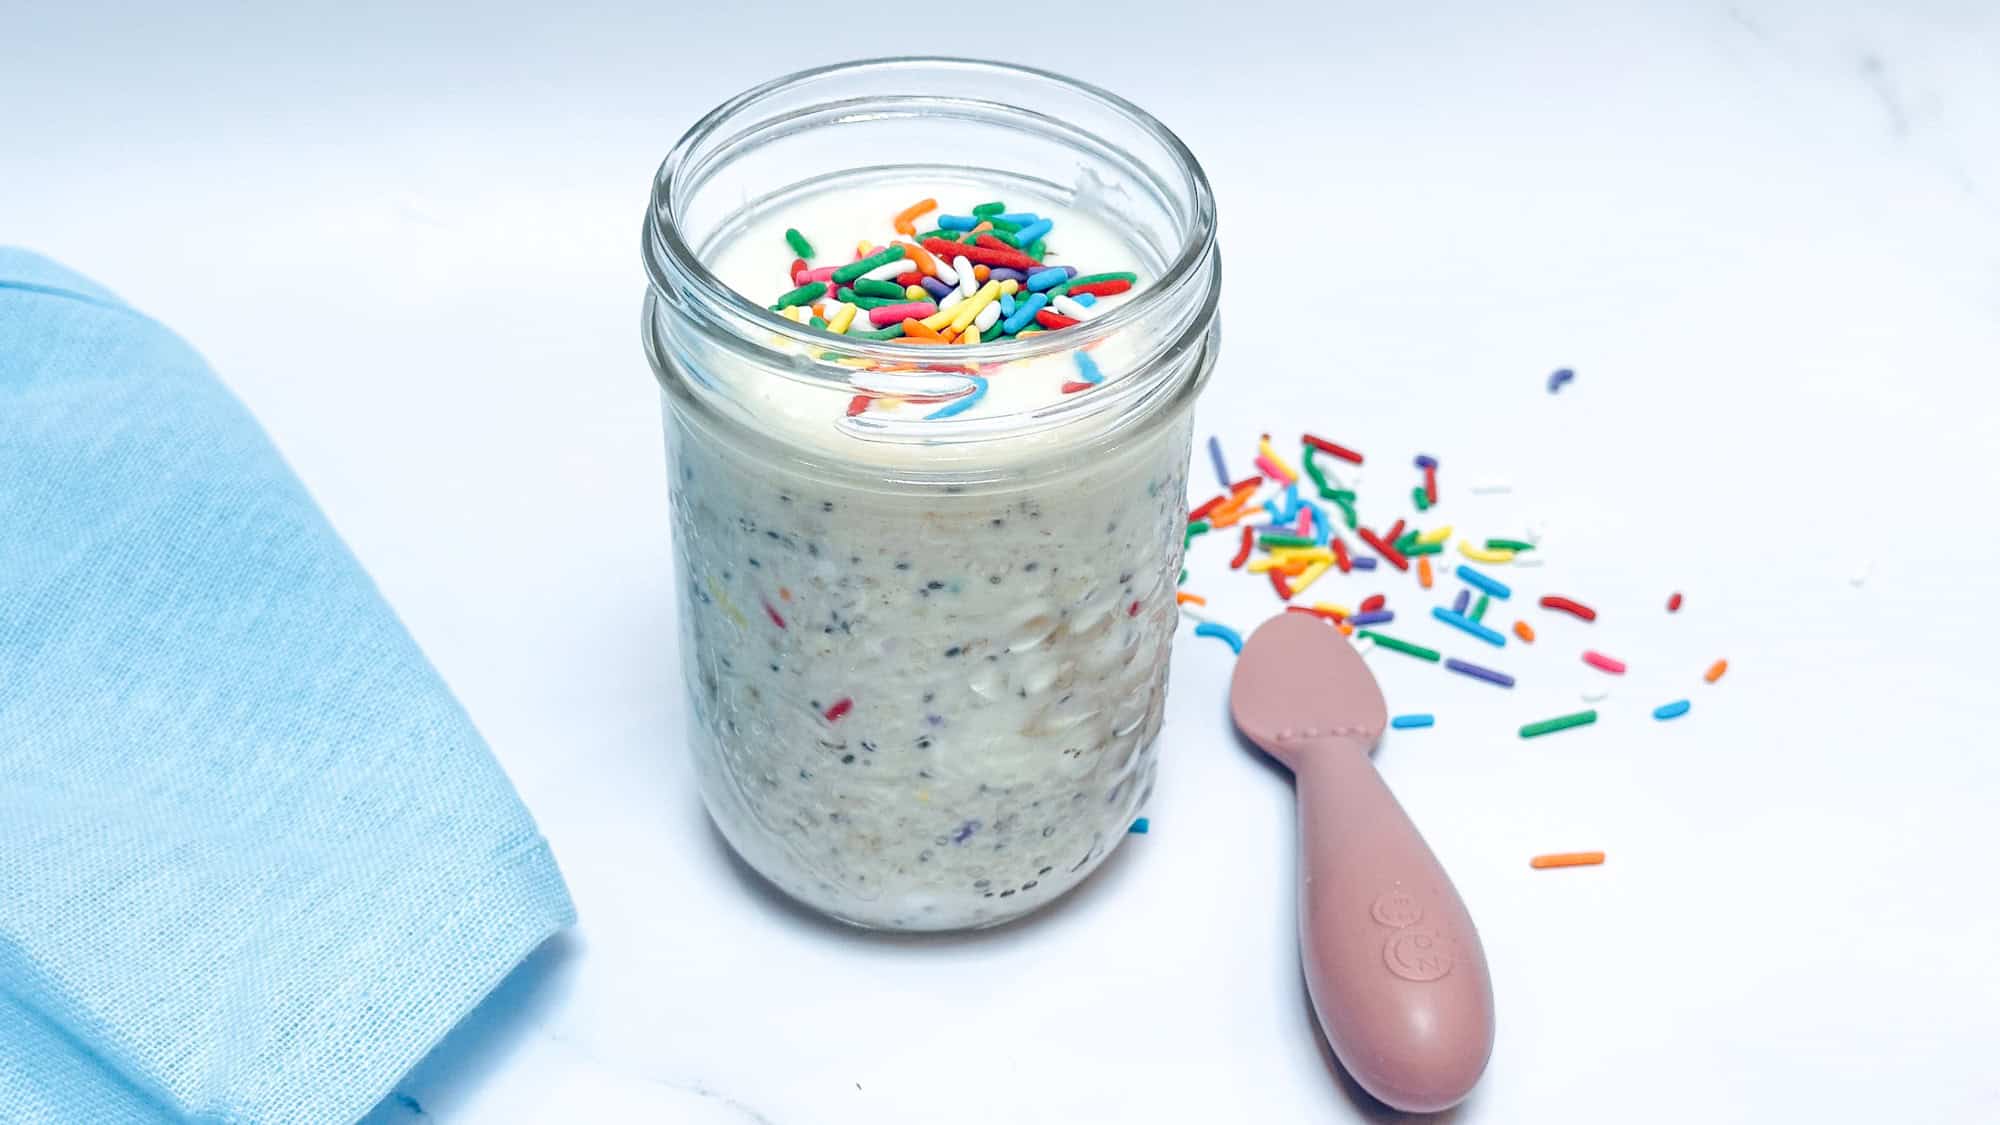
715	589
1435	535
1027	332
1309	554
971	335
855	361
1259	566
937	321
969	308
1481	554
1329	607
1010	287
1264	447
862	248
888	402
842	319
1310	575
915	292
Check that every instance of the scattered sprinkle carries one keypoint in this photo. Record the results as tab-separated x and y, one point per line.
1404	647
1603	663
1567	859
1559	377
1672	710
1674	603
1222	633
1569	605
798	243
1215	457
1524	631
840	708
1560	722
1482	583
1715	671
1140	827
1332	450
1465	668
1412	722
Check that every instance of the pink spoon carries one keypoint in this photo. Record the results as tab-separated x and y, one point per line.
1391	958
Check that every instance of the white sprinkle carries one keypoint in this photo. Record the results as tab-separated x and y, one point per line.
1193	614
1069	308
887	270
967	284
1490	487
987	316
952	298
1530	558
1363	645
944	272
1594	695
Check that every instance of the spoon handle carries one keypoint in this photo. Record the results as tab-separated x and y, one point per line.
1391	957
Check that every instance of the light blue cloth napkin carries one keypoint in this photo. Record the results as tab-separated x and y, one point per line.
254	859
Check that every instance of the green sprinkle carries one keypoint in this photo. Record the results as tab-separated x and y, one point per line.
1508	545
986	210
1425	549
1003	224
870	287
950	235
818	322
1407	541
1394	645
1420	499
1285	541
1183	578
798	243
1005	237
804	295
1198	527
853	298
1093	278
1039	249
852	270
1561	722
1479	608
889	333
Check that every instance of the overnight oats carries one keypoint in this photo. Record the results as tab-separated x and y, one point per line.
929	335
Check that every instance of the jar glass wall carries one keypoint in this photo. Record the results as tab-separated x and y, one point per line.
925	657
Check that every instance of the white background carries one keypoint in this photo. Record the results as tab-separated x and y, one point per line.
1765	235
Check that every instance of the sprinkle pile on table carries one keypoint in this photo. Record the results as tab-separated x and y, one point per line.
1295	525
978	277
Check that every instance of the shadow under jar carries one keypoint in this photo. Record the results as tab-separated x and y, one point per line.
926	657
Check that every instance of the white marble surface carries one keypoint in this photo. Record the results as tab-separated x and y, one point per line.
1766	235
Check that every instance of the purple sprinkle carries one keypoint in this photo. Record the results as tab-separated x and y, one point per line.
1005	274
1464	599
1560	376
1362	562
1426	461
1478	673
1070	270
937	289
1373	617
966	830
1215	455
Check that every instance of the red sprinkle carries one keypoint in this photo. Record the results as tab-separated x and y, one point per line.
1340	557
1243	552
1210	506
842	707
1247	484
1279	584
1373	602
857	405
1568	605
775	619
1431	484
1133	611
1047	319
1327	614
1325	446
798	267
1072	388
992	243
913	277
1394	557
1101	288
981	255
1395	532
1674	603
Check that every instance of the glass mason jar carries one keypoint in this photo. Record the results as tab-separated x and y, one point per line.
926	658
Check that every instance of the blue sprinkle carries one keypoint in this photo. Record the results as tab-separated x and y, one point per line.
1024	312
957	222
1006	304
1362	563
1087	370
1560	376
1672	710
1373	617
963	403
1018	218
1046	279
1463	602
1461	621
937	289
1228	636
1411	722
1473	578
1221	466
1028	234
1322	527
1426	461
1465	668
1085	299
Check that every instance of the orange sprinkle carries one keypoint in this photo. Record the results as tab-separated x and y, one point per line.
1183	598
1716	670
1424	571
916	331
981	273
921	256
906	219
982	225
1568	859
1293	569
1346	630
785	593
1523	631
